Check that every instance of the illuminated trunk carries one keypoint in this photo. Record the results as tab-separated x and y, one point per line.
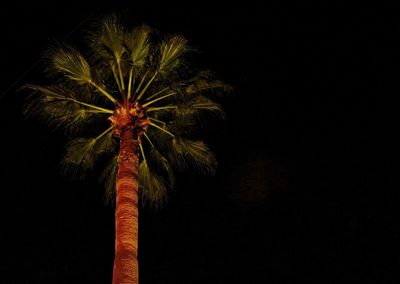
126	270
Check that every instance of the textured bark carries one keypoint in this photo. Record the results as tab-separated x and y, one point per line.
126	212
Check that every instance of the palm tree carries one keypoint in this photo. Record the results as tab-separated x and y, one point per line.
136	85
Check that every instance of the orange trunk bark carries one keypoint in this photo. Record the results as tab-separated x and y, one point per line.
126	212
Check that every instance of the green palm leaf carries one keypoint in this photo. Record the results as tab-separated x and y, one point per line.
202	85
205	82
137	42
162	165
60	109
171	52
198	105
108	40
187	154
108	177
153	189
82	153
71	63
133	67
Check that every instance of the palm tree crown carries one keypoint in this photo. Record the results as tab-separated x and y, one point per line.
129	76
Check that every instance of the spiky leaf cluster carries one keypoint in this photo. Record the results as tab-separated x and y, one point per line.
122	65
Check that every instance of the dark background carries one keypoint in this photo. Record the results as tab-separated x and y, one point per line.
303	191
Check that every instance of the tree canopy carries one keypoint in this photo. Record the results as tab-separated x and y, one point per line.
123	65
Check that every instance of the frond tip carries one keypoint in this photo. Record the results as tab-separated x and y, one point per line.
153	190
108	177
108	39
71	63
82	153
192	154
59	108
137	42
171	52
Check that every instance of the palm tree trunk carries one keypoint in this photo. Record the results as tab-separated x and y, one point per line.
126	212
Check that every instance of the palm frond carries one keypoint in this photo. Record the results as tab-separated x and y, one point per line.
193	108
214	87
159	162
157	93
171	52
108	43
108	177
60	109
56	92
71	63
203	104
158	99
137	42
143	91
141	68
187	116
191	154
163	108
108	39
152	187
163	129
82	153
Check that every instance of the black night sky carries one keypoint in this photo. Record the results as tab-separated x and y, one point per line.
302	192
